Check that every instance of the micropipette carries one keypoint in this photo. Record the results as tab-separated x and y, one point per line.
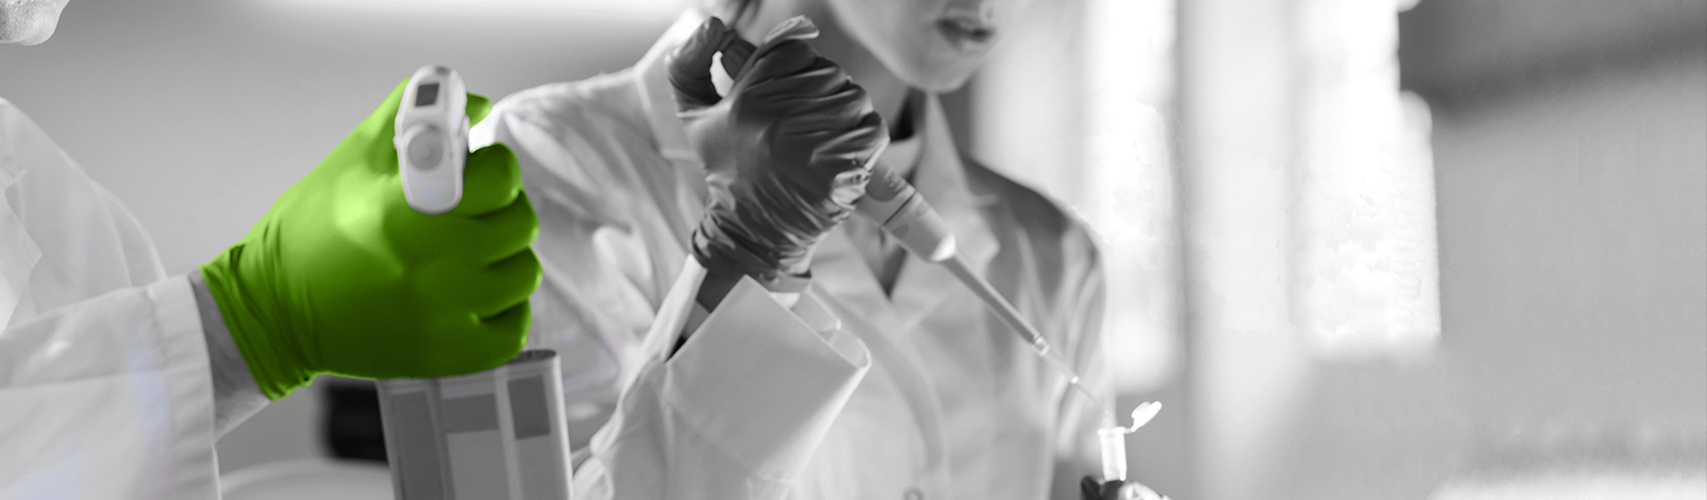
903	213
432	139
496	434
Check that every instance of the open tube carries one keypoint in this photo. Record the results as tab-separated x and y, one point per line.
1112	439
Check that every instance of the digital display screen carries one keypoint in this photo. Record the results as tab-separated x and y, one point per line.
426	94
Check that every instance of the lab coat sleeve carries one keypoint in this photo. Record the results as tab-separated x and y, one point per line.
108	398
1077	453
735	412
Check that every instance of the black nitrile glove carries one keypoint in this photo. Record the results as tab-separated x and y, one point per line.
786	152
1091	489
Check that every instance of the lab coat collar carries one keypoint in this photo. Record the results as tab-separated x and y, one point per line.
941	178
658	99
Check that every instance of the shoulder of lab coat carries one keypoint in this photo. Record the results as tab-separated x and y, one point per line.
580	144
736	411
568	127
589	167
109	398
104	383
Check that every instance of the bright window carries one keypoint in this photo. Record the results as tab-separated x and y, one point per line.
1366	277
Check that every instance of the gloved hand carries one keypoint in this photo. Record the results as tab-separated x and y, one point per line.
341	276
786	152
1091	489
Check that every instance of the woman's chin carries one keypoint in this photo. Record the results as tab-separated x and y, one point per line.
935	79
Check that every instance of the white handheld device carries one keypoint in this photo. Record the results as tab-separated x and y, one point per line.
495	435
432	139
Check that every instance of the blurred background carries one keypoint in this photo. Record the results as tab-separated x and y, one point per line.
1359	248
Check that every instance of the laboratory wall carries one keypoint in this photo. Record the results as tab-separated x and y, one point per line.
1573	268
1569	146
197	114
1572	195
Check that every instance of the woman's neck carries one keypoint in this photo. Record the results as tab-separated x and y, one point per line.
887	92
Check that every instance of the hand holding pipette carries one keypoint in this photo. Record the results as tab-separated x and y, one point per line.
784	151
887	198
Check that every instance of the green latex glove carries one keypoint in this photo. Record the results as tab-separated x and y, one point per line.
341	276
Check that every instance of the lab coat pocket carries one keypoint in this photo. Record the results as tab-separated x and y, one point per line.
762	383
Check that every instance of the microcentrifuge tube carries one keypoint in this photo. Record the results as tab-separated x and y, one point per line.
1113	440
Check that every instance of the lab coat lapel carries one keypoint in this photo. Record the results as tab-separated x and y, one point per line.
921	286
686	181
839	270
888	322
867	315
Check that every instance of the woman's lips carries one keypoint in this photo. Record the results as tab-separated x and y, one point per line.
966	34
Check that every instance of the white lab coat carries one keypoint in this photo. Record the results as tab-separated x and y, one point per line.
951	406
104	383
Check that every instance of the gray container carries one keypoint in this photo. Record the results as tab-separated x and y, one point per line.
493	435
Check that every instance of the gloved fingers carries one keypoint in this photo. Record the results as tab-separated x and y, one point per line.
512	322
849	186
736	53
1112	490
773	61
1090	488
690	65
383	120
380	126
478	107
500	235
793	28
481	348
373	136
796	29
843	109
503	284
835	134
1135	491
819	80
491	181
